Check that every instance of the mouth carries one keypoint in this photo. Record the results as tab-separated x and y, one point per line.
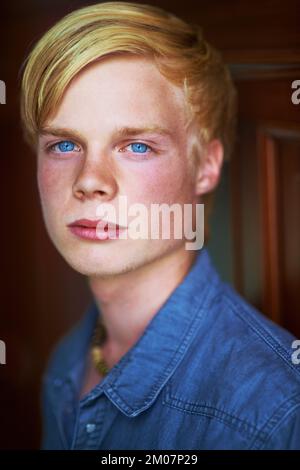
95	230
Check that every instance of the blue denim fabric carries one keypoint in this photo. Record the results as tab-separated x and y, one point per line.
209	372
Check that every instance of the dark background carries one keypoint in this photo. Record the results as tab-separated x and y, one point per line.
255	225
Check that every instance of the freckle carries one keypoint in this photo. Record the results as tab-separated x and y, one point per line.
47	176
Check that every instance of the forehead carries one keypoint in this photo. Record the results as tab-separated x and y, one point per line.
124	90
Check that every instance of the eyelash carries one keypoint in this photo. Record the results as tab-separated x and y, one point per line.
51	148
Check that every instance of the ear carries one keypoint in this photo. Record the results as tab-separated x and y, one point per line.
209	170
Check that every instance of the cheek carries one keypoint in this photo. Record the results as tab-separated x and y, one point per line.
170	183
53	193
44	179
49	181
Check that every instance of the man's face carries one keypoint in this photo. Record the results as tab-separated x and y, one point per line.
95	150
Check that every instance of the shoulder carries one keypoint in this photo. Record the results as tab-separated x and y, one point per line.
240	371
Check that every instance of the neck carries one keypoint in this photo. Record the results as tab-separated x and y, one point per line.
130	300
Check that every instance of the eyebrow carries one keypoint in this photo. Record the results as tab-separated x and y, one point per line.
133	131
60	132
121	132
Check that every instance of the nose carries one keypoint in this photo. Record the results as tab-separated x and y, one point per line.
96	179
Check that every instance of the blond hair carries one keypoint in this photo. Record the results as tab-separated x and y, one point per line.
178	48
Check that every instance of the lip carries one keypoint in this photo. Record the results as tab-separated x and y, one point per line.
87	229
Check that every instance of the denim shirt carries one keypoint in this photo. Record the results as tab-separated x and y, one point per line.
208	372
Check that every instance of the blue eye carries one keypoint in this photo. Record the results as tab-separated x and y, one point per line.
64	146
139	147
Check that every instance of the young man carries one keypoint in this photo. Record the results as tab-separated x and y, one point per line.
126	102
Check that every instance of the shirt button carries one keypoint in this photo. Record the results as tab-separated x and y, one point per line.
90	427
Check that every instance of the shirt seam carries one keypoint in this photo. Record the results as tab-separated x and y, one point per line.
276	420
263	333
206	409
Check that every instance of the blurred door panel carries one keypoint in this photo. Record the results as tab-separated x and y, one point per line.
266	194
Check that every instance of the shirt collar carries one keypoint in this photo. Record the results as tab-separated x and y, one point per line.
135	381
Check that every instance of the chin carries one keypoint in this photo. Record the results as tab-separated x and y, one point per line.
100	268
111	258
103	261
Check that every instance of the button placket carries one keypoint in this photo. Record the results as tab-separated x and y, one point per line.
89	424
